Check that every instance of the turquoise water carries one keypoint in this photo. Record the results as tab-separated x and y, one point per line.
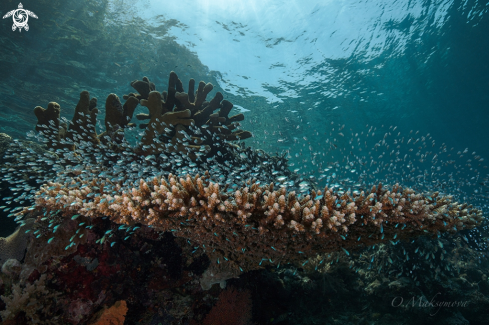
300	72
352	92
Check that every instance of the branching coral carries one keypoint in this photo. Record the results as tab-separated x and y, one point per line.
48	122
118	115
35	300
177	120
257	225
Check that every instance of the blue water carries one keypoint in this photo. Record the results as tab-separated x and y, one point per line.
368	91
413	64
299	70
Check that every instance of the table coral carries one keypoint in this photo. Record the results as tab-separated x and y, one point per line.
257	225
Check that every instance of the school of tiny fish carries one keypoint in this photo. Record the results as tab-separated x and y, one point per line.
345	161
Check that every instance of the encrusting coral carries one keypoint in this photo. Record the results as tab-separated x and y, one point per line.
13	246
114	315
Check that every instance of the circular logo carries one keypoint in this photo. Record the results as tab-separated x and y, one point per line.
20	18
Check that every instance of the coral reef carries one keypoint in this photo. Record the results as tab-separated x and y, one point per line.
150	225
62	236
142	270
